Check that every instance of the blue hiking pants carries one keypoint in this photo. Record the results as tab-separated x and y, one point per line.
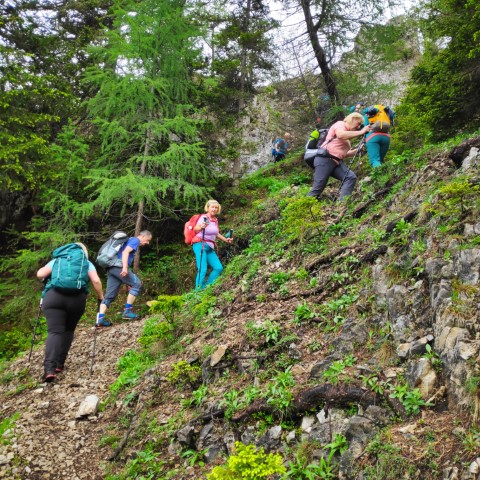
206	257
324	168
377	148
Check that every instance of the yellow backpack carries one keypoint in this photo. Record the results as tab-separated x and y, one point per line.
379	118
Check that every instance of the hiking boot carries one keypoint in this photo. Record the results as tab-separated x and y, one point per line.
49	377
101	322
59	369
129	315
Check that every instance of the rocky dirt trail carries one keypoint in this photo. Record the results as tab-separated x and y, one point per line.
49	441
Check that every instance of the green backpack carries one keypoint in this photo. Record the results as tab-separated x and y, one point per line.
69	270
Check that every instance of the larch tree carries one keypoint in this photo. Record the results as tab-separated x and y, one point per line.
150	161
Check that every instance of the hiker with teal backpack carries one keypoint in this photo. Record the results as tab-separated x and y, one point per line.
119	273
380	118
206	232
64	300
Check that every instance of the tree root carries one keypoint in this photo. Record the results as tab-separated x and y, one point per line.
310	400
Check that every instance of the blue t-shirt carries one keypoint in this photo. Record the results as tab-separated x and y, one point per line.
280	145
133	243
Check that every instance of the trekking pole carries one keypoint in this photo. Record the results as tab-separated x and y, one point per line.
92	355
359	149
35	329
201	252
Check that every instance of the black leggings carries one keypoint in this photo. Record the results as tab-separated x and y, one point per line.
62	313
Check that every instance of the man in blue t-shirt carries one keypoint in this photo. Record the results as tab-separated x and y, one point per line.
281	147
118	275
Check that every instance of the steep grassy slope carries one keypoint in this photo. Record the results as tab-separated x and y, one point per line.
343	337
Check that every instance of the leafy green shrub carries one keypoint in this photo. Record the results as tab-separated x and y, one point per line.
184	374
301	217
155	331
168	305
455	199
233	402
19	339
131	365
248	463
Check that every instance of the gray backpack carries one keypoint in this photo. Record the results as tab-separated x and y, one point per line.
108	254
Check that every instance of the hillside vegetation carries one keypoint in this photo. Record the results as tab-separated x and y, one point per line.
341	341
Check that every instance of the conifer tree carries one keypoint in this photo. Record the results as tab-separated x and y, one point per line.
149	160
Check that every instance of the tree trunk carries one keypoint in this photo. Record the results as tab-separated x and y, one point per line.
141	205
319	52
236	170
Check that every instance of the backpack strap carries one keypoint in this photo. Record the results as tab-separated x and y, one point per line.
324	145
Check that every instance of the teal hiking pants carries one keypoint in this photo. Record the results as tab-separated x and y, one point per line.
206	258
377	148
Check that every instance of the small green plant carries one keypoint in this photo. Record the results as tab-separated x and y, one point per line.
315	346
194	457
432	356
167	305
300	217
279	394
411	399
6	425
374	384
208	350
456	198
418	247
147	464
302	469
278	279
248	463
269	329
184	374
231	402
337	368
198	396
471	442
402	231
302	274
131	366
261	297
109	440
302	313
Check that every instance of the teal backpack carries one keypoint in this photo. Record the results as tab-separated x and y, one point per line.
69	270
